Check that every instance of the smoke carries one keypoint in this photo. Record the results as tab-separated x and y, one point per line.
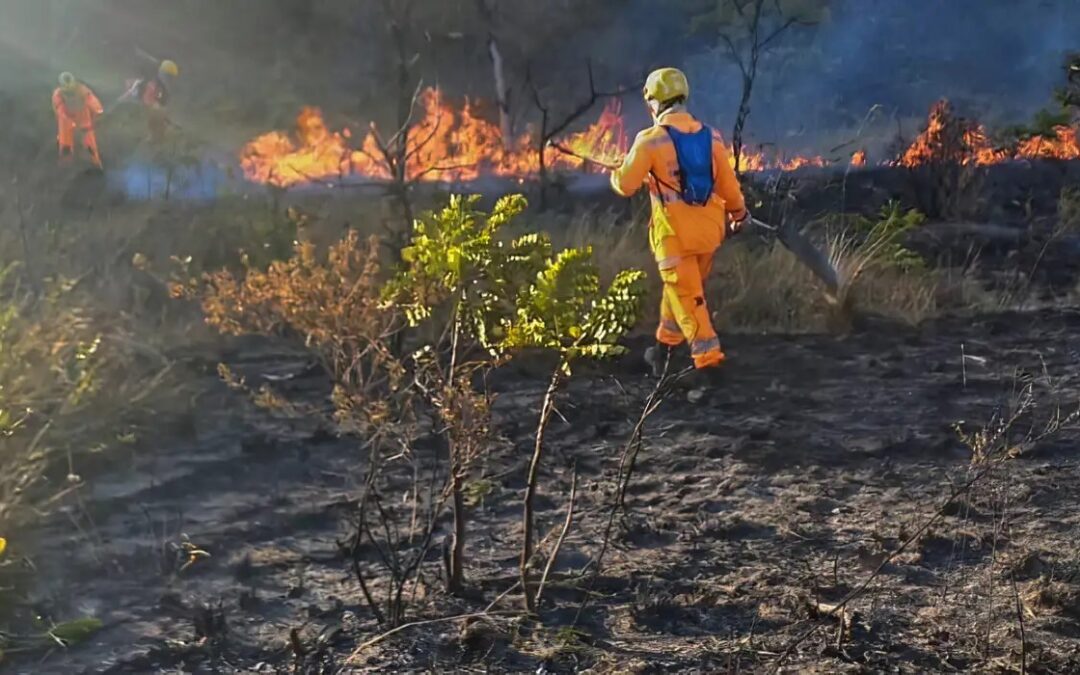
996	60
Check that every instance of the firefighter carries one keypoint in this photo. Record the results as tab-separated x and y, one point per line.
76	107
696	202
152	92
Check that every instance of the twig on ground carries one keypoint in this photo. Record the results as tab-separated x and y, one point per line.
394	631
502	595
1020	623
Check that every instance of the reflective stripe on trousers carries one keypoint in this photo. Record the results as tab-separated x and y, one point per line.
699	347
670	325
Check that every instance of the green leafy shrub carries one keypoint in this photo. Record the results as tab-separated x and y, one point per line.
504	297
881	240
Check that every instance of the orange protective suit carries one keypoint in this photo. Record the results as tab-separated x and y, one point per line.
152	93
75	110
683	237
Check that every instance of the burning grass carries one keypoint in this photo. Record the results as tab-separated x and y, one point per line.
444	144
447	144
457	144
950	138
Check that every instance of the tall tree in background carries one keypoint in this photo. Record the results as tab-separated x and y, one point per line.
489	12
747	30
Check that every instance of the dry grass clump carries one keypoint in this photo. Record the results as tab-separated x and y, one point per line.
1068	211
759	289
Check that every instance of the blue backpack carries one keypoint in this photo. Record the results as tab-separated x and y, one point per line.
694	153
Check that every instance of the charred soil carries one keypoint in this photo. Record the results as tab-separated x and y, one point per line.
786	486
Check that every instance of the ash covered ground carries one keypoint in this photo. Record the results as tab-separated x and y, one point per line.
749	512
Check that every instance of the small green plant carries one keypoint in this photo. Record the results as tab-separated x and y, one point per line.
459	276
476	491
503	297
870	244
64	635
883	239
566	311
473	299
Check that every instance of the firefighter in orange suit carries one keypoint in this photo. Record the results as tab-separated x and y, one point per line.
152	91
696	202
76	107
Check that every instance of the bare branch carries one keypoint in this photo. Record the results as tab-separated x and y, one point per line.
408	120
584	107
736	55
778	32
562	535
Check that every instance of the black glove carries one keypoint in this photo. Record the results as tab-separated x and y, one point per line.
736	226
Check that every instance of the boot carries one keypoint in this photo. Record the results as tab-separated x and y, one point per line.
656	357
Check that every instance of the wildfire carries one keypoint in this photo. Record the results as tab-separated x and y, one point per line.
949	138
444	144
317	153
452	144
1064	145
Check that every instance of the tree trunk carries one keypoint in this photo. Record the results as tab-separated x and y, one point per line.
530	489
400	178
740	123
502	92
487	10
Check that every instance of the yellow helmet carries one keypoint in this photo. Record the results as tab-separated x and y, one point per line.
68	81
168	68
666	84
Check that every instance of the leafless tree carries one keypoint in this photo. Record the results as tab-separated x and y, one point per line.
551	129
489	13
748	30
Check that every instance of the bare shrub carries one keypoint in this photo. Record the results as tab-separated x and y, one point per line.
1068	221
332	304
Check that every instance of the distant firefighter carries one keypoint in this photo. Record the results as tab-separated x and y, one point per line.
76	107
152	92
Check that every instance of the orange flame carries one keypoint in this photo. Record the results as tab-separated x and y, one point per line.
457	144
948	138
1064	145
316	153
444	144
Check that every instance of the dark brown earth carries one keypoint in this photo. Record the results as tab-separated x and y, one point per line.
784	487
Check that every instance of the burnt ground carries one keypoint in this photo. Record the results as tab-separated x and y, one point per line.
783	488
